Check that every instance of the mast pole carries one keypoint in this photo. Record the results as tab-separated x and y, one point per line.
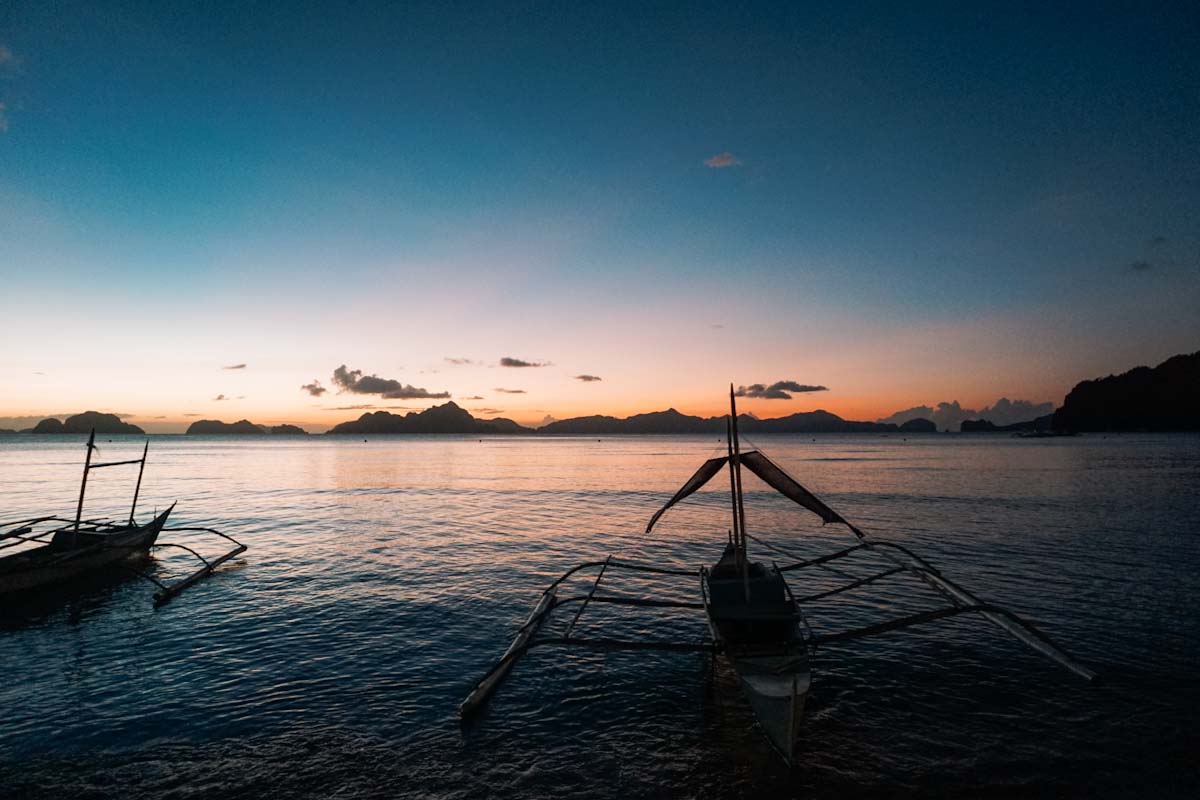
741	507
735	532
138	488
87	465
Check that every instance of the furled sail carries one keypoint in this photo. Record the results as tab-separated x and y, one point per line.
774	476
703	475
770	473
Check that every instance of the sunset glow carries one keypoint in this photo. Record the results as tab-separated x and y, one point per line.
352	195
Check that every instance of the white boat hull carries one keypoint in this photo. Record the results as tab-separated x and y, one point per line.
776	688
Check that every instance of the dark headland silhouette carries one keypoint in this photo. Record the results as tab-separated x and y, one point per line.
1163	398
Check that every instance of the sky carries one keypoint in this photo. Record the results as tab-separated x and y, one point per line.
904	204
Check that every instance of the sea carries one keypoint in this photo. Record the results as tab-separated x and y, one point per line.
385	575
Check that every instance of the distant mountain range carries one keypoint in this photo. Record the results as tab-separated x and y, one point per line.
1163	398
672	421
450	418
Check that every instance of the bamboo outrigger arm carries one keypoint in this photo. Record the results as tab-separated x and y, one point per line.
548	601
167	592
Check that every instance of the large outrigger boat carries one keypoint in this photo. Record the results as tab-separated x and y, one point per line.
755	620
44	553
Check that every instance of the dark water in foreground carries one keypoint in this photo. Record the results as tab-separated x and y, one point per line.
384	576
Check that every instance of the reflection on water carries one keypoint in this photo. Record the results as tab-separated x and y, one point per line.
384	576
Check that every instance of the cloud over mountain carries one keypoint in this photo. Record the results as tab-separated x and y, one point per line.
779	390
509	391
315	388
355	382
509	361
950	416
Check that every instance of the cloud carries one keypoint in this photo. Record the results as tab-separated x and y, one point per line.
492	411
460	362
509	391
722	160
587	378
315	388
950	416
901	417
366	407
1157	241
472	397
353	380
507	361
1140	266
779	390
546	420
8	58
220	397
192	415
3	118
235	366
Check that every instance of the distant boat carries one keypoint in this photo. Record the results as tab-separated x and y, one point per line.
754	619
67	553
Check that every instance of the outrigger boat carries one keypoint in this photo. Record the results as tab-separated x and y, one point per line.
755	620
65	553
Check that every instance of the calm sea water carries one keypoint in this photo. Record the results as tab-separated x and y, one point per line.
384	576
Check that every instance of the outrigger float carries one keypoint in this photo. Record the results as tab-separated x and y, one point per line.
755	620
63	553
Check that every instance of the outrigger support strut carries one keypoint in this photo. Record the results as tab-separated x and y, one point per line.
963	601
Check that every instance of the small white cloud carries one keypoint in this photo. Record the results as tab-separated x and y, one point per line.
723	160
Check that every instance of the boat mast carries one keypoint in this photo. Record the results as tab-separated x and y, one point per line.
736	461
138	488
87	464
735	532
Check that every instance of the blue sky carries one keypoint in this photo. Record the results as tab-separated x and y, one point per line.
386	185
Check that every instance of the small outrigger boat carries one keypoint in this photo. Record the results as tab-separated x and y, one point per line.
755	620
66	553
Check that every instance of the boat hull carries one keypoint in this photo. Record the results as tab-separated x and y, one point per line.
776	687
760	636
71	556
